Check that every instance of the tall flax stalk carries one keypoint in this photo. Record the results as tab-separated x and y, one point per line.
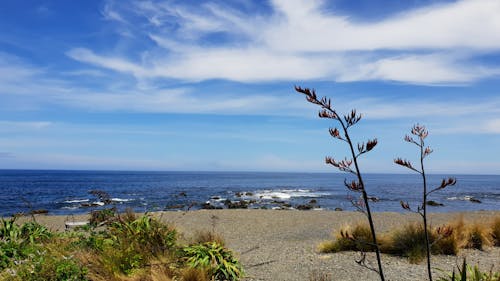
346	165
422	133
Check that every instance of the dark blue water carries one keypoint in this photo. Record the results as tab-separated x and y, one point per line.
64	192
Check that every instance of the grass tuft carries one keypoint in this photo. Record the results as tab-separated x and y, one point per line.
317	275
495	232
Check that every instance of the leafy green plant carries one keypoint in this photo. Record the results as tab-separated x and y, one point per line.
471	273
216	259
350	165
421	133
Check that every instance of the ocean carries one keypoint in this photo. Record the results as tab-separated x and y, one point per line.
69	192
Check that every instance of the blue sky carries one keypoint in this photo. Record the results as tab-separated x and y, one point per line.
208	85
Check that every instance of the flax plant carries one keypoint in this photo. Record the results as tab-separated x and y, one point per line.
421	133
350	166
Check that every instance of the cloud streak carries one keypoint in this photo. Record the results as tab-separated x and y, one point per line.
302	39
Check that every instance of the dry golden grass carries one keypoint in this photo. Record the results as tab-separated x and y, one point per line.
409	241
194	274
495	231
472	236
355	238
201	237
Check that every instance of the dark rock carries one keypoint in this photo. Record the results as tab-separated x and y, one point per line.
277	202
238	194
313	202
39	212
215	197
338	209
287	205
474	200
242	204
182	193
208	206
304	207
177	206
434	203
249	194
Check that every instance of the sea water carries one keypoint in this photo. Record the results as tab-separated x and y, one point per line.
67	192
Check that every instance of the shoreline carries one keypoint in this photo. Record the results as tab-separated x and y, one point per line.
281	245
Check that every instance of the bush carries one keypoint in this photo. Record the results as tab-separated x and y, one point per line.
102	216
216	259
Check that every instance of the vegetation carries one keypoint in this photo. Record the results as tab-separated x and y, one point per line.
127	248
421	133
471	273
218	261
409	241
350	165
495	232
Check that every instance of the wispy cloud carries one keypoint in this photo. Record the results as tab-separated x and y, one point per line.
303	40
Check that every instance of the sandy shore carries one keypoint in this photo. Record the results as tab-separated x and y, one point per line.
281	245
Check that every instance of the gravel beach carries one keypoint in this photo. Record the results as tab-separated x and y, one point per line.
281	245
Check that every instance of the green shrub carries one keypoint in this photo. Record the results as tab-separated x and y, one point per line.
216	259
50	268
471	273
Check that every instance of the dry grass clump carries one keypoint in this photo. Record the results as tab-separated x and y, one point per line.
357	238
203	236
409	241
495	231
317	275
475	236
194	274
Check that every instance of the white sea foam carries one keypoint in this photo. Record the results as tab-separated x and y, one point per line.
462	198
98	203
70	207
76	201
120	200
286	194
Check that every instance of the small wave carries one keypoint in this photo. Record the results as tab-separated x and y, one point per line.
121	200
462	198
98	203
76	201
70	207
286	194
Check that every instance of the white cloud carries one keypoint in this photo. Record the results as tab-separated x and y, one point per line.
299	40
23	125
492	126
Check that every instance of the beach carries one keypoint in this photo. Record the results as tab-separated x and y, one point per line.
282	245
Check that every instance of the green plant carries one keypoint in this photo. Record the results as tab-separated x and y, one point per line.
421	133
35	232
471	273
216	259
346	165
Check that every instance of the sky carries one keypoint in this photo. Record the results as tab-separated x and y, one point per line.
209	85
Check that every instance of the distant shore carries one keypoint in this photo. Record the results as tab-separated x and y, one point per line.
281	245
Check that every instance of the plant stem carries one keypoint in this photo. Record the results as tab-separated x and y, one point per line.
424	210
365	199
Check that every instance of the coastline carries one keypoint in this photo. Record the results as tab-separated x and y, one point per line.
281	244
